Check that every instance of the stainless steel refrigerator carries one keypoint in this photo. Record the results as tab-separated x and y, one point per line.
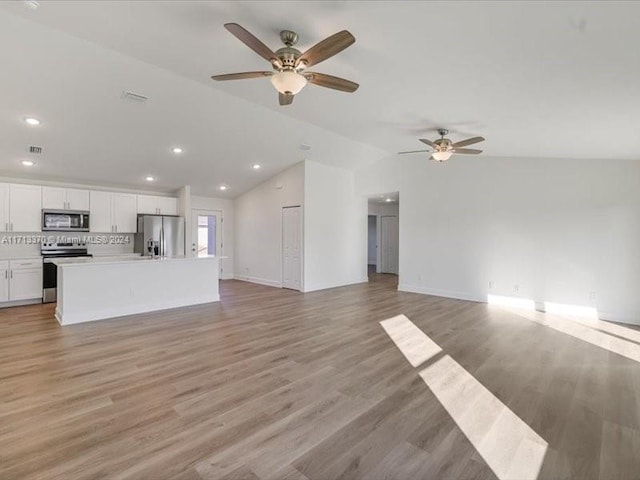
160	235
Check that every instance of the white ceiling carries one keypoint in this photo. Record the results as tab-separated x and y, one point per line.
537	79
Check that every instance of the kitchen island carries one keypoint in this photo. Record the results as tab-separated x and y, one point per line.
96	289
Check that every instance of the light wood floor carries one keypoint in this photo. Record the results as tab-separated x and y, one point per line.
273	384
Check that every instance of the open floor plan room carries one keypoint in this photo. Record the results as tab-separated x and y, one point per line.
319	240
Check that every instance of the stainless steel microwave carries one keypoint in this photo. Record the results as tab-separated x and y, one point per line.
65	221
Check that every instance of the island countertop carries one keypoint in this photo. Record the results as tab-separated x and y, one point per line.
79	261
99	288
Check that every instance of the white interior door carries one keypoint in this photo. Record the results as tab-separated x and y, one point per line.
292	248
389	244
206	235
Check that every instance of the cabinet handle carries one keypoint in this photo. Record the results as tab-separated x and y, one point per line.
6	274
11	273
12	227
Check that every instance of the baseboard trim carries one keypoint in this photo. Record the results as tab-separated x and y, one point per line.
19	303
403	287
325	286
618	317
259	281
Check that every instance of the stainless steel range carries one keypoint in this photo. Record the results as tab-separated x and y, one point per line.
51	251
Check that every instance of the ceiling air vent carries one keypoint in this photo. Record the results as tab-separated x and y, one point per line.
134	97
35	150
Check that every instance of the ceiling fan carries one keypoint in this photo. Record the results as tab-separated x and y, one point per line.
443	148
289	64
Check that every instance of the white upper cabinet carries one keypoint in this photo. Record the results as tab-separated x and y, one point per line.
124	213
4	207
112	212
168	205
54	198
155	205
77	199
57	198
25	205
147	204
100	212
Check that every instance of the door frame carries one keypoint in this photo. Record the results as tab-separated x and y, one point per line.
301	246
219	234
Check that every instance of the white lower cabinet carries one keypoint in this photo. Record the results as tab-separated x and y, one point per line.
23	279
4	281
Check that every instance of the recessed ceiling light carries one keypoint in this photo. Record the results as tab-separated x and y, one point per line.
32	121
256	166
27	163
149	178
388	200
222	187
32	4
176	150
304	146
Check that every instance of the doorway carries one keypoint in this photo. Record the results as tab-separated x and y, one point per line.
372	244
292	248
206	234
383	233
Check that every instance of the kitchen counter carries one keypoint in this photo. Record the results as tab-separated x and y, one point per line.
105	287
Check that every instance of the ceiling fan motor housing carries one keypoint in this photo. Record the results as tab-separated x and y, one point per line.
288	57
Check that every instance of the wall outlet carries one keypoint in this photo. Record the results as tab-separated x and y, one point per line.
592	296
491	285
516	289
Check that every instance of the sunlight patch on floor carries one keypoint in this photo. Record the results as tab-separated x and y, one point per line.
507	444
414	344
585	332
513	302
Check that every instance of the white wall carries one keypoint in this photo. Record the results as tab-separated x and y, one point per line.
225	206
561	230
335	228
258	226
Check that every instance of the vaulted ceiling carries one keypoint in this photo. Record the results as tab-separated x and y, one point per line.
537	79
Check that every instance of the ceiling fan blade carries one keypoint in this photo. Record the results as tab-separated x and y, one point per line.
327	48
468	141
252	42
241	76
428	142
285	98
415	151
329	81
467	151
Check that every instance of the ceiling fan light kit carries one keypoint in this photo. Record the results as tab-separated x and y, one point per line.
441	156
288	82
288	63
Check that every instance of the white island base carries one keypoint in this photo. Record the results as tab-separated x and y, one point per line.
95	290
